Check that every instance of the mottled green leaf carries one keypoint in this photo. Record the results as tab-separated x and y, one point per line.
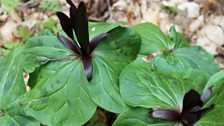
154	40
61	94
12	87
146	88
11	79
216	116
110	57
191	62
43	49
139	117
96	28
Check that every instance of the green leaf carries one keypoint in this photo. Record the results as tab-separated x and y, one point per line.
183	42
175	36
154	40
192	66
139	117
12	87
190	62
11	79
178	38
215	117
43	49
111	56
60	95
145	87
102	27
148	89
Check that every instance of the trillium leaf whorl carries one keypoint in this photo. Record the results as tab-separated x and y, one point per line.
78	24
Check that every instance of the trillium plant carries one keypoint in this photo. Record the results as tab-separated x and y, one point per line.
103	74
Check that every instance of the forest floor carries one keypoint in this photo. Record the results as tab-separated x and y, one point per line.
201	21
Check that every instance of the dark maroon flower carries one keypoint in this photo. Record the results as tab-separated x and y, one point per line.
192	109
78	24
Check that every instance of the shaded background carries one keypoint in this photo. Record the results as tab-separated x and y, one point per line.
201	21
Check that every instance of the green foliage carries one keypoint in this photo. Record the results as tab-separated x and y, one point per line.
9	5
50	5
12	88
24	33
139	116
153	40
48	27
162	82
170	9
131	87
79	97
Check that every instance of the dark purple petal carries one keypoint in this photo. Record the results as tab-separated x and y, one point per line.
66	24
191	100
81	28
95	41
72	11
206	95
189	118
88	67
165	114
69	44
70	3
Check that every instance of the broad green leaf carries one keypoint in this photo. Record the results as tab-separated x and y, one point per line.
43	49
190	62
139	117
215	117
12	87
183	42
61	76
18	120
154	40
148	89
11	79
144	87
100	27
110	57
60	95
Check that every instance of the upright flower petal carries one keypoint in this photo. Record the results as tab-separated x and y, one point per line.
72	11
66	24
81	28
191	100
